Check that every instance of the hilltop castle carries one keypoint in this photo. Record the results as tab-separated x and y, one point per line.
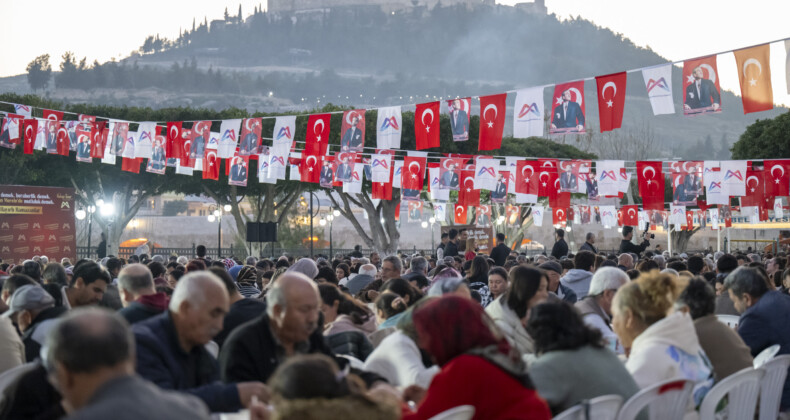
387	6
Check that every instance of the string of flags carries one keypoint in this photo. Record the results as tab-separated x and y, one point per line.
518	181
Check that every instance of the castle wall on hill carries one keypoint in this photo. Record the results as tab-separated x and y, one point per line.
301	6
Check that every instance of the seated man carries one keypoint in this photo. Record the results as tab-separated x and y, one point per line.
764	315
170	350
91	358
35	314
596	307
290	326
138	294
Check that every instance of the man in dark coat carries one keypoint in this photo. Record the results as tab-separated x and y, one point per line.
501	251
627	246
170	347
560	248
588	244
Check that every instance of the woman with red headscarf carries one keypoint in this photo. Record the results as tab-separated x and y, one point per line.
478	366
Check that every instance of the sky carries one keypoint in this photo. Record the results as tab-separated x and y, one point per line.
674	29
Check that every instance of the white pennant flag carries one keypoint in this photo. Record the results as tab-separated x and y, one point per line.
229	138
389	128
537	215
440	212
733	177
714	218
625	182
144	140
396	176
277	164
528	117
709	166
609	179
644	219
41	135
752	212
380	165
437	193
779	212
486	170
677	215
355	185
264	172
293	173
183	170
608	216
108	158
787	64
714	189
526	198
25	110
658	82
511	164
284	129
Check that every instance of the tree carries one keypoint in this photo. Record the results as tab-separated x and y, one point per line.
39	71
765	139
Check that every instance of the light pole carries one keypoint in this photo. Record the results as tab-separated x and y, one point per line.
432	220
312	215
216	215
331	219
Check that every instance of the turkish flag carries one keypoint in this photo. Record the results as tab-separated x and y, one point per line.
767	204
548	182
185	145
30	130
413	173
460	214
630	215
492	121
173	146
317	137
211	164
777	177
382	190
468	195
611	100
131	165
53	115
650	181
426	125
310	168
527	177
560	200
620	217
62	138
689	220
559	215
99	139
754	73
755	189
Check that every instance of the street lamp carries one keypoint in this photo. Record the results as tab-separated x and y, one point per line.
216	216
432	220
312	215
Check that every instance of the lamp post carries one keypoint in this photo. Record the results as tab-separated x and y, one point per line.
432	220
312	215
216	215
331	219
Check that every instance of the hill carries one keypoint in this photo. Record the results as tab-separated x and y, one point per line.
363	57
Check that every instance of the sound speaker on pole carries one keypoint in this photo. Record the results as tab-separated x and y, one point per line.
253	232
268	232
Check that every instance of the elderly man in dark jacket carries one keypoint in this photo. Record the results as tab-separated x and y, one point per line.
170	346
290	326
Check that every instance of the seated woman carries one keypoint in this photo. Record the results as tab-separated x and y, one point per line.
477	276
497	282
573	363
398	359
661	346
312	387
347	323
389	308
449	281
528	287
478	366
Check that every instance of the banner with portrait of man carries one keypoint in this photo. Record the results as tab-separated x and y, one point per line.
567	115
353	131
450	172
238	170
701	91
344	166
83	135
459	109
415	211
686	182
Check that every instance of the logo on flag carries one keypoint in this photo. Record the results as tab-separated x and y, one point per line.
714	186
529	109
489	170
382	163
660	83
730	174
390	122
284	132
608	174
229	135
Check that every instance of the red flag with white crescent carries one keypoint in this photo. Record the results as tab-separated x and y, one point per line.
310	168
611	100
99	139
173	146
413	173
460	214
559	215
53	115
468	195
131	165
426	125
211	164
29	132
185	145
317	137
755	188
62	138
527	177
492	121
620	216
777	177
754	73
630	215
689	220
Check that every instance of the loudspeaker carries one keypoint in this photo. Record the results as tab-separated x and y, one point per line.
268	232
253	232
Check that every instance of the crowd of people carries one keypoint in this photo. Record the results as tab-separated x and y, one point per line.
360	336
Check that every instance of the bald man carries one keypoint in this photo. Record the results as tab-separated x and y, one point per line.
290	326
170	346
625	262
